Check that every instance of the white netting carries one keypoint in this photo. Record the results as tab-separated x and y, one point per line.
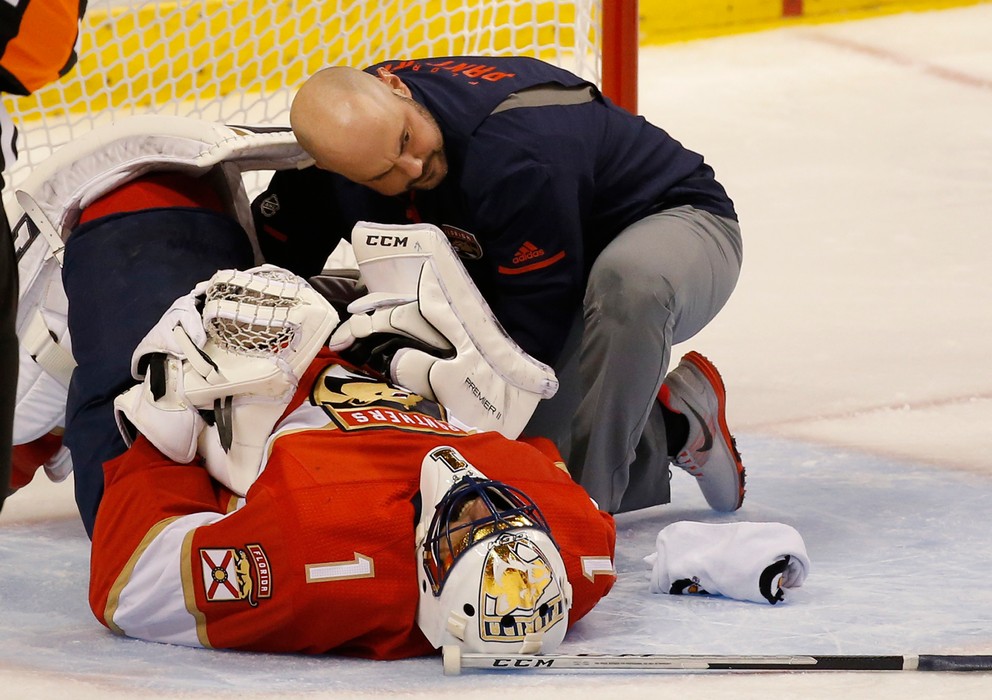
239	61
250	314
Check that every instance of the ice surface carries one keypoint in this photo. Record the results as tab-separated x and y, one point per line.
855	351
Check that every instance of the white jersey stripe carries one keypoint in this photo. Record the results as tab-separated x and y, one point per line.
152	604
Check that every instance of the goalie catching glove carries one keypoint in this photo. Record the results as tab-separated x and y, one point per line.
439	337
216	382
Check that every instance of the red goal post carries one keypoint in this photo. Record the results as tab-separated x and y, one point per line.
239	61
619	57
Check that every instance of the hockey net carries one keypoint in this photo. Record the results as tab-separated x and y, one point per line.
239	61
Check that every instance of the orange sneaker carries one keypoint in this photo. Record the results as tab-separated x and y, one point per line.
695	390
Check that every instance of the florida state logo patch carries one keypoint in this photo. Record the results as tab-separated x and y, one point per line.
233	574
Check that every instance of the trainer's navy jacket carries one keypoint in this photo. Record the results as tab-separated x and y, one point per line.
532	195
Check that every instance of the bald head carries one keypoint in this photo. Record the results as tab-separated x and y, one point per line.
368	129
336	108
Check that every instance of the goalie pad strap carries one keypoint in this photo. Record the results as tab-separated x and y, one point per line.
40	343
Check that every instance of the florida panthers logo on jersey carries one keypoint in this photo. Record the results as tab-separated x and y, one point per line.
358	402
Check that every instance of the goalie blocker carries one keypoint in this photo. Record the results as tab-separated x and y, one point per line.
456	353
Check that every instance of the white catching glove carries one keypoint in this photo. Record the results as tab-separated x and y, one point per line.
162	338
459	356
239	362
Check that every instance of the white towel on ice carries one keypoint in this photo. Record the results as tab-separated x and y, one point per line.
744	561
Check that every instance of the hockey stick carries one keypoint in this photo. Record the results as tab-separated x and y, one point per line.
455	661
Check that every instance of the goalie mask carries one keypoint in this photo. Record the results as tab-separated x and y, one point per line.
491	577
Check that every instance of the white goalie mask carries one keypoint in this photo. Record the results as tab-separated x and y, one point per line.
491	578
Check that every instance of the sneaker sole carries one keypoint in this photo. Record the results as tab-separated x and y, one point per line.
714	378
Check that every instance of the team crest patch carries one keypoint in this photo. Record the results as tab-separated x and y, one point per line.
232	574
465	244
356	402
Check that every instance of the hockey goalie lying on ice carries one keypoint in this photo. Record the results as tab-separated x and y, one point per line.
271	483
424	361
374	522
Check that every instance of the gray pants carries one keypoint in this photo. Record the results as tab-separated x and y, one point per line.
658	283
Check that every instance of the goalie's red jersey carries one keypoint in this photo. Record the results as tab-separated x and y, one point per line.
319	556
